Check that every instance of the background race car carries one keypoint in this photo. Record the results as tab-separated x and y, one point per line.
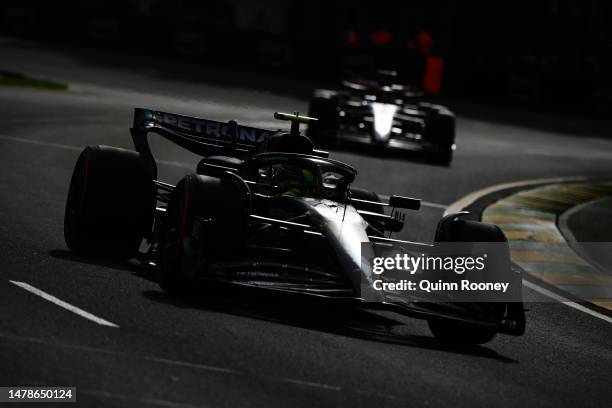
382	113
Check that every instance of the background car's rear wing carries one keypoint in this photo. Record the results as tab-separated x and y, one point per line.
200	136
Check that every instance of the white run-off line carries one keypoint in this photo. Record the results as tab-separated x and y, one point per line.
577	306
62	304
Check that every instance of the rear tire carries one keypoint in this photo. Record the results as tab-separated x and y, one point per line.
183	245
111	203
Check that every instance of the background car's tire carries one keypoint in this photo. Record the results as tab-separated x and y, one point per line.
443	157
111	203
324	107
440	130
182	249
363	194
458	332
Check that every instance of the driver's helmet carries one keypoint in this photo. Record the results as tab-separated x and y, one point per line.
294	181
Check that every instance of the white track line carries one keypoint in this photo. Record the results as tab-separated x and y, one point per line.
79	148
566	302
41	143
63	304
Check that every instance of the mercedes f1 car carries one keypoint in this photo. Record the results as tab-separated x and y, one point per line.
264	210
382	113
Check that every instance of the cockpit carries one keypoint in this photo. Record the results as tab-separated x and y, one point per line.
301	175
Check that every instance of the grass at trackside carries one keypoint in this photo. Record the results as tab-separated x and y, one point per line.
16	79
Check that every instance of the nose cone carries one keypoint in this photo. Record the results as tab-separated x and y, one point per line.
383	121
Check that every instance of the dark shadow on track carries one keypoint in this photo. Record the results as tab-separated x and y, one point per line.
98	261
315	314
331	316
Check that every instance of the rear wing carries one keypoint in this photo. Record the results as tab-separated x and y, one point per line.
199	136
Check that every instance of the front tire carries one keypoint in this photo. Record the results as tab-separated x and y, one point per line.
111	203
454	331
204	221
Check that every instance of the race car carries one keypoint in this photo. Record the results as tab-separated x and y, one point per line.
382	113
263	210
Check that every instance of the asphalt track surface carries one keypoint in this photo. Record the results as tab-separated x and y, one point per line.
245	350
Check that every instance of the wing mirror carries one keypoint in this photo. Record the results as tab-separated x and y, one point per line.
406	203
